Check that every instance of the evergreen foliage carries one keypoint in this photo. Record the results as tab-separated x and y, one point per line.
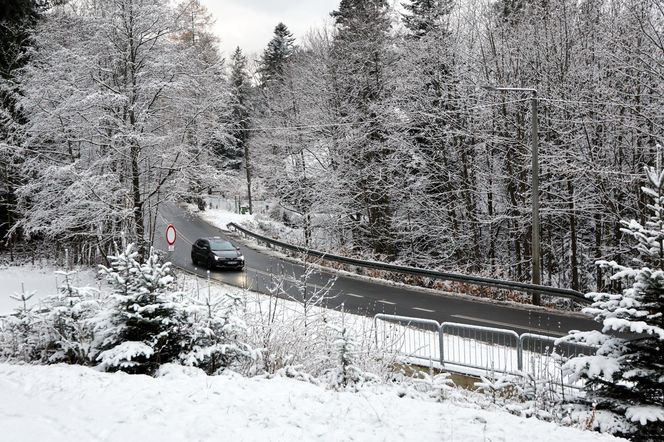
352	14
275	56
67	318
625	378
19	338
347	373
425	16
233	151
362	55
59	329
144	326
216	336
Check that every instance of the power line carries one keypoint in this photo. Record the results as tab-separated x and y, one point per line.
343	124
308	126
592	103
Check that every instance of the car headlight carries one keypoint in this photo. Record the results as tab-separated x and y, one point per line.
217	257
241	257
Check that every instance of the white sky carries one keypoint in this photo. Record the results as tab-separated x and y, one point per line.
250	23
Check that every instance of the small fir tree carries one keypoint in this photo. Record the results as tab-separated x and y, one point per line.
142	329
20	338
57	329
625	378
66	318
347	373
214	335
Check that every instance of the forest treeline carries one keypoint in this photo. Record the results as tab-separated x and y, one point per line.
374	135
380	135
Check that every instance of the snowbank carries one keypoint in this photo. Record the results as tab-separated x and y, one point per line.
64	403
259	223
221	218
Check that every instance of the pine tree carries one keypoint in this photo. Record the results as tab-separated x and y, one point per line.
235	150
425	16
625	378
362	56
347	373
214	335
19	340
143	327
279	49
240	85
66	318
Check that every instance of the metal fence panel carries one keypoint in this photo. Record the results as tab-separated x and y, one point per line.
413	338
475	350
483	348
544	356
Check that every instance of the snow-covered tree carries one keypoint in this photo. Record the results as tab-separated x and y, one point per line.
215	335
17	19
239	119
56	329
121	109
143	326
66	321
625	378
347	373
275	56
423	16
363	56
20	331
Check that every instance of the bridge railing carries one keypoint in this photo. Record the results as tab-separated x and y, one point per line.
414	271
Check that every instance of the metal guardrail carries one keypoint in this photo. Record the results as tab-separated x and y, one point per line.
489	349
414	271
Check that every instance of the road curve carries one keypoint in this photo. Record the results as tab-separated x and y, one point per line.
359	295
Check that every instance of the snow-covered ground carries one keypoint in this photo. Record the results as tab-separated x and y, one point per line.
220	218
61	402
65	403
219	215
43	281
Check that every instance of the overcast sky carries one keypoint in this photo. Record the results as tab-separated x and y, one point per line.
250	23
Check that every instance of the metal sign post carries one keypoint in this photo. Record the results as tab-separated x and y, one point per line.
171	236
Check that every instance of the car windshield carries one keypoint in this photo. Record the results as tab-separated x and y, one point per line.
218	244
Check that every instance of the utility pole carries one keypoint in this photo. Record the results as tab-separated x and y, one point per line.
535	241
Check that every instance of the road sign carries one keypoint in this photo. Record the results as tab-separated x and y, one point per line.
171	236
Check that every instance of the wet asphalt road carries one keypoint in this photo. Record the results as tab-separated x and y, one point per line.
362	296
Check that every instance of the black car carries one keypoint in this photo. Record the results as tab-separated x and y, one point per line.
216	253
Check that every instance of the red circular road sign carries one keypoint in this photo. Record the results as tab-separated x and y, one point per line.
171	234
